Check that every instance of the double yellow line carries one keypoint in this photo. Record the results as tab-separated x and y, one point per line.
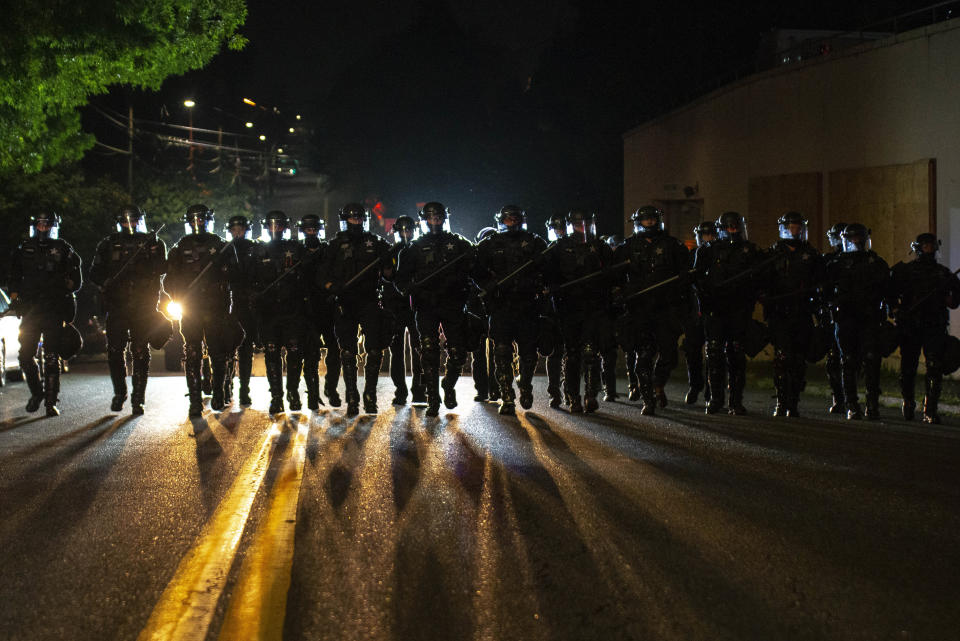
256	611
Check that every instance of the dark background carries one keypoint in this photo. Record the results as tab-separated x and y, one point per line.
475	106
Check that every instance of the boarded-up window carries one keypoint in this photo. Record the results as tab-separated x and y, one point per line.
897	202
772	196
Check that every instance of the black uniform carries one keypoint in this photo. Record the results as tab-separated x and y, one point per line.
582	310
693	342
833	365
45	274
921	292
398	307
358	305
654	319
483	367
858	282
321	318
281	314
206	309
244	314
512	306
726	309
438	303
127	269
791	300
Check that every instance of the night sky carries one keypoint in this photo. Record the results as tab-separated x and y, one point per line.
483	104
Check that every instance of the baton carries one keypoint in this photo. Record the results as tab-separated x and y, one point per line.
577	281
517	270
278	279
443	267
656	285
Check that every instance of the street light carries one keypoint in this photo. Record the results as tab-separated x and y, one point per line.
189	104
298	116
279	150
290	130
249	125
262	137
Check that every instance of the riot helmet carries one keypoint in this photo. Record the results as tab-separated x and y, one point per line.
835	235
434	218
856	238
793	226
732	226
198	220
926	246
356	212
45	225
405	230
581	224
238	227
312	226
131	220
647	221
705	232
556	227
483	233
275	226
511	218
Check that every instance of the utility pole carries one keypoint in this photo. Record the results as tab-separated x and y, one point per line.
130	149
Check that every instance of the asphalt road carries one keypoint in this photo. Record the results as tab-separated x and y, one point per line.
471	526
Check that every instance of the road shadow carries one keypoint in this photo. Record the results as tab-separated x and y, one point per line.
351	456
20	421
404	456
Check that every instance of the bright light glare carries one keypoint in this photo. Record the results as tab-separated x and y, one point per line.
279	150
249	125
249	102
290	130
188	103
262	137
175	310
298	116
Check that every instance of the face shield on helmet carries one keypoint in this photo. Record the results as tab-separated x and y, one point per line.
511	218
434	218
131	220
556	228
354	218
45	226
793	226
835	235
705	233
647	221
926	245
856	238
405	230
732	226
275	226
198	219
311	227
581	225
238	227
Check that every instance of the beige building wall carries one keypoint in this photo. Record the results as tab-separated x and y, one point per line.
890	103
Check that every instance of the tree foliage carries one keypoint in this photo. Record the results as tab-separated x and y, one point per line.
55	54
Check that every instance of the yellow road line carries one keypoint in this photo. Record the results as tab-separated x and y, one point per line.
258	605
186	606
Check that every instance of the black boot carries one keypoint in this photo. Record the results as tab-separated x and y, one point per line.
554	363
244	370
31	374
645	389
455	362
591	379
348	363
311	378
191	369
274	367
218	367
525	383
206	376
716	377
294	368
907	391
141	369
231	371
503	359
51	383
371	374
737	366
332	377
118	377
932	385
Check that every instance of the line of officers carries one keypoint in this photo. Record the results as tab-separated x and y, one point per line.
572	298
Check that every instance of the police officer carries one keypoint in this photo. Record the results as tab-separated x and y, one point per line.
551	338
652	256
321	317
483	366
127	268
200	268
608	359
398	306
858	283
45	275
508	270
922	291
834	369
279	300
238	228
792	284
693	338
352	271
727	287
435	270
581	307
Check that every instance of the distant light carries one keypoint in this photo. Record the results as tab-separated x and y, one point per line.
279	150
292	171
188	103
249	102
290	129
298	116
249	125
262	137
